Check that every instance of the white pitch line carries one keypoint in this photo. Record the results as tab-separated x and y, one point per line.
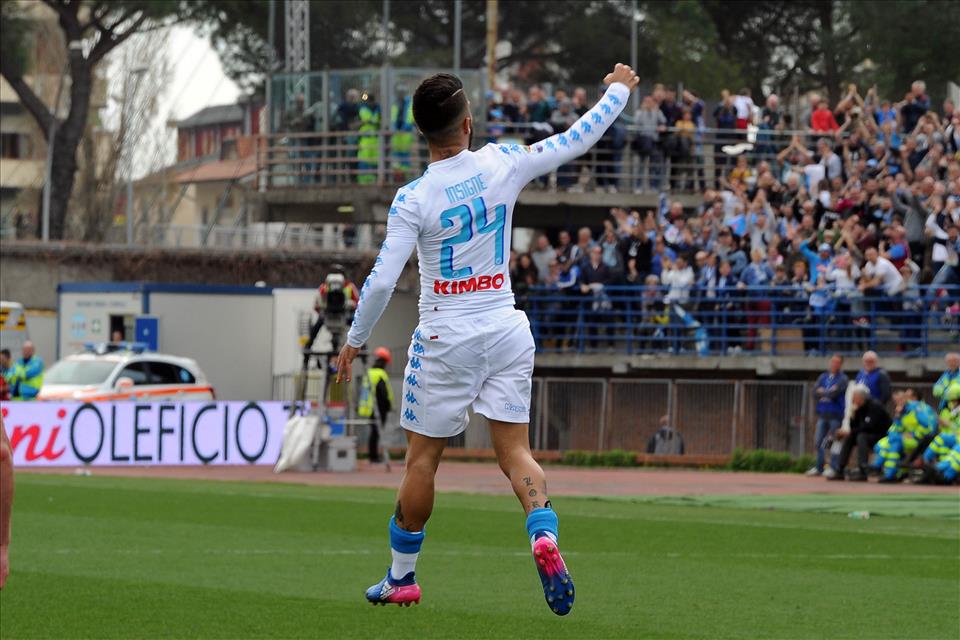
485	554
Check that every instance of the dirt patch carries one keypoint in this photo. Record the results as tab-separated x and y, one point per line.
570	481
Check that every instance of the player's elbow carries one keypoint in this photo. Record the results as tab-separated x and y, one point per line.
379	287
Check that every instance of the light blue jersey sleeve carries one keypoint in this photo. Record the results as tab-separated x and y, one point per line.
560	148
402	230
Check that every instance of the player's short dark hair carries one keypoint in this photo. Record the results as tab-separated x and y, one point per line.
5	352
439	106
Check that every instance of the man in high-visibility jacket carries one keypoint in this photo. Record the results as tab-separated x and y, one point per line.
27	375
376	399
952	373
368	146
914	426
401	141
940	452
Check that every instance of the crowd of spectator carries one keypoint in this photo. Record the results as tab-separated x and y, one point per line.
845	230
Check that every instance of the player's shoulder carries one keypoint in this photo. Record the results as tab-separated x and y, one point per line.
408	195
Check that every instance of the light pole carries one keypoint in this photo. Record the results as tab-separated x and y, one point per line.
137	73
457	18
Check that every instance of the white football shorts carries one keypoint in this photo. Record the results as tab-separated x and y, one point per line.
485	361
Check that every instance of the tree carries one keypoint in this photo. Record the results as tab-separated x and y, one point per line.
124	142
90	31
554	40
907	41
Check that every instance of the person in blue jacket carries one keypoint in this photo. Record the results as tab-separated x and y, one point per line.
829	393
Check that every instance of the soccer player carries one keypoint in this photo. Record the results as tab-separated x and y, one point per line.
471	346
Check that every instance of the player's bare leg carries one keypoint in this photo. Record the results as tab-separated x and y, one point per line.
415	497
6	502
414	506
511	443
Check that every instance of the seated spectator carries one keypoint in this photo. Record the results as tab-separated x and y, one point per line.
666	441
868	424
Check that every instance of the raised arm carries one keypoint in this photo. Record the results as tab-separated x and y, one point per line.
561	148
402	232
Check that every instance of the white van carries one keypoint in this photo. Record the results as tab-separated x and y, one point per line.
13	328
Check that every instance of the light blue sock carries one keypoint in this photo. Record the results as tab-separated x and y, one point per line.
543	521
405	548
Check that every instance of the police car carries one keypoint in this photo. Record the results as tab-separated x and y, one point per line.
124	371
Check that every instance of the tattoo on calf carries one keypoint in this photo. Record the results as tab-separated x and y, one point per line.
535	504
527	481
398	514
532	493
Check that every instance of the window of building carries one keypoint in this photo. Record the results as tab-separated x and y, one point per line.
12	145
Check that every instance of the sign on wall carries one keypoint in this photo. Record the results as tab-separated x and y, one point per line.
130	433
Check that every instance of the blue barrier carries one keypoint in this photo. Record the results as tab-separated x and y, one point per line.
778	321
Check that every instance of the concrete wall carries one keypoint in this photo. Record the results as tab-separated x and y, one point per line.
31	271
42	326
228	336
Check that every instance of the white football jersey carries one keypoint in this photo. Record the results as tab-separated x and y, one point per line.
459	216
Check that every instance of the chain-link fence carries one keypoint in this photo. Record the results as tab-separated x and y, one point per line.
634	409
574	411
773	415
704	413
713	417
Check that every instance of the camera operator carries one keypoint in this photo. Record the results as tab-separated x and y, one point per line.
335	303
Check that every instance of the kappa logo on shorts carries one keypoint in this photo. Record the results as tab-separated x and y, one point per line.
418	349
412	399
415	363
412	381
409	415
417	335
514	408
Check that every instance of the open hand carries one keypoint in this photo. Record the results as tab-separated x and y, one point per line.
345	362
624	74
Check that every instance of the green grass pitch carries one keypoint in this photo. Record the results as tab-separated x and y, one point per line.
98	557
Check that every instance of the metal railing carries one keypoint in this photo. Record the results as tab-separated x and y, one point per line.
777	321
319	159
261	235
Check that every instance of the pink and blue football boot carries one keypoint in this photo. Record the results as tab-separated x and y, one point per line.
403	592
557	583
